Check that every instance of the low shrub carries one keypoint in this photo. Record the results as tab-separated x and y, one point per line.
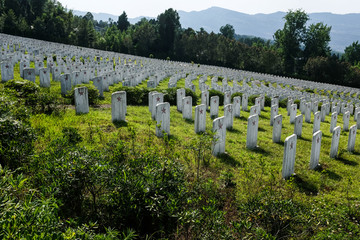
217	93
93	94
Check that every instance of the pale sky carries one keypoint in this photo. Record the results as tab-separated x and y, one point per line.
152	8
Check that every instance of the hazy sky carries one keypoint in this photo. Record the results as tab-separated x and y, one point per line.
152	8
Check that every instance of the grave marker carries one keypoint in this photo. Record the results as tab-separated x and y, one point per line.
229	117
335	142
333	121
317	121
219	136
180	93
162	111
277	129
187	107
214	106
81	100
346	119
298	125
118	106
252	131
200	118
237	106
352	137
315	150
289	156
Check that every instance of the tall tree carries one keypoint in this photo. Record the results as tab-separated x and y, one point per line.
352	53
291	38
123	23
169	28
228	31
317	41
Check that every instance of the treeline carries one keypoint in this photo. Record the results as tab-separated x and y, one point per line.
297	50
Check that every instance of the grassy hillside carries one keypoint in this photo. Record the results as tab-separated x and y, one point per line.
86	177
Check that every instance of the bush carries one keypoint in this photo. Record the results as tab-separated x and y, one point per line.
16	142
23	88
140	96
217	93
267	101
236	95
93	94
252	99
283	103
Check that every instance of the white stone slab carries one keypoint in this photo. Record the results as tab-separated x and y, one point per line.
289	156
346	119
214	106
315	150
118	106
252	131
180	93
187	107
162	111
352	138
277	128
81	100
219	131
200	118
335	142
237	106
298	125
229	116
317	121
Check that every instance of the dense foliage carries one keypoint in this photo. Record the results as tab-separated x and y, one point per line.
294	49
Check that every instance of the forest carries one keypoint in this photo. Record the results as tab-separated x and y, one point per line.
297	50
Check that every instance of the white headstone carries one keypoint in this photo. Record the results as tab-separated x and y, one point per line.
98	83
214	106
227	98
333	121
156	99
274	111
335	142
237	106
352	137
229	116
315	150
205	98
44	77
65	83
346	119
180	93
244	102
289	156
252	131
358	121
29	74
277	128
219	136
81	100
255	110
118	106
200	118
162	111
298	125
317	121
293	110
308	112
187	107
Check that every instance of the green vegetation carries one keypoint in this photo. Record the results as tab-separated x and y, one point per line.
68	176
298	50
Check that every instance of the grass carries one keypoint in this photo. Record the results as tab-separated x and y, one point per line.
250	170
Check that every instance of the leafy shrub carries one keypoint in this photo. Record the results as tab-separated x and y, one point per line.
93	94
267	101
213	92
283	103
10	107
297	102
236	95
23	88
22	214
140	96
16	142
251	100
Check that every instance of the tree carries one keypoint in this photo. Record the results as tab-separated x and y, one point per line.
290	38
228	31
123	23
317	41
144	37
352	53
169	28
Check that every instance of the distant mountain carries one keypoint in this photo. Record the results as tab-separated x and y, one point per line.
345	28
105	16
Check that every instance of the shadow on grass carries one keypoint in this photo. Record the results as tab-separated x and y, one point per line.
260	150
280	143
305	139
234	130
120	124
304	186
330	174
261	129
189	121
242	118
346	161
229	160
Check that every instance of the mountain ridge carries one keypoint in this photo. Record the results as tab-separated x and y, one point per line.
345	27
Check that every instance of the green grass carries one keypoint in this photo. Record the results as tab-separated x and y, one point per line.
251	171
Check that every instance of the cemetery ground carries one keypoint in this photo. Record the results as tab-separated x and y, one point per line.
91	178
